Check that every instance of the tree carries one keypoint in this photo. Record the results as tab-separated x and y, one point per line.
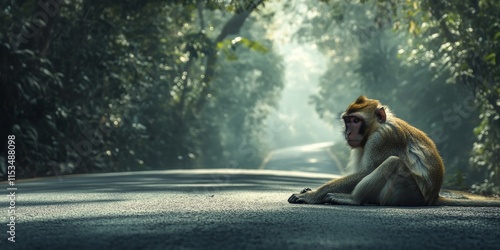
463	38
368	57
113	86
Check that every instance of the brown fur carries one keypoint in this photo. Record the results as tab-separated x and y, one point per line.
393	153
394	164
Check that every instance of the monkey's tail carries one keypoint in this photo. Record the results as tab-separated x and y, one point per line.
442	201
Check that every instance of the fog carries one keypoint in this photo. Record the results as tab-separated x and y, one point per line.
295	121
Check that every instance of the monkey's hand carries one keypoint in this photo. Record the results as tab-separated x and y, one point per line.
301	197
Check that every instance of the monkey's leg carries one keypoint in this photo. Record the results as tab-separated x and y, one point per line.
391	184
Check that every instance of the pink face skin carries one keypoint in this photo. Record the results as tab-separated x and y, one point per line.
353	135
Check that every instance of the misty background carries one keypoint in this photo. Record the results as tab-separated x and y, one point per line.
300	124
92	86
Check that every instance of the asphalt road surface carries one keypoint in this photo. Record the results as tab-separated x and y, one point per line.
315	158
225	209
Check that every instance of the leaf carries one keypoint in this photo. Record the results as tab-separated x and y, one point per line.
46	72
231	56
491	58
254	45
497	36
412	27
31	133
220	44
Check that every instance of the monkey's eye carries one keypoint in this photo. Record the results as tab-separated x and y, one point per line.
347	120
356	120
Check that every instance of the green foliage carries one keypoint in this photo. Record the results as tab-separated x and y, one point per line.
228	46
486	188
239	109
27	83
409	70
127	86
463	37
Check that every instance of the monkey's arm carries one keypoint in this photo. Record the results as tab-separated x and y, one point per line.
342	185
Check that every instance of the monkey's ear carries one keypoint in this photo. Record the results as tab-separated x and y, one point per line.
380	113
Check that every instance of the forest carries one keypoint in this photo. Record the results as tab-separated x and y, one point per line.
103	86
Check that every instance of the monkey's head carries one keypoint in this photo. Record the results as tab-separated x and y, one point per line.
361	118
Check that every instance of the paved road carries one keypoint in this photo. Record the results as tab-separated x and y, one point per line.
226	209
315	158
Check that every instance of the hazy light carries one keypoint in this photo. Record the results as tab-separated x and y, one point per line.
312	160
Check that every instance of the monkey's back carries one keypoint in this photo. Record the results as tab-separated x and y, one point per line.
419	153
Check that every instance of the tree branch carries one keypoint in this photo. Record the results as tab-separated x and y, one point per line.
232	27
199	5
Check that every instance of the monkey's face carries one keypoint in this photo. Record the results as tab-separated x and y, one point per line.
354	130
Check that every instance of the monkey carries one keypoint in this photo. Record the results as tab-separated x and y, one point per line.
393	163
